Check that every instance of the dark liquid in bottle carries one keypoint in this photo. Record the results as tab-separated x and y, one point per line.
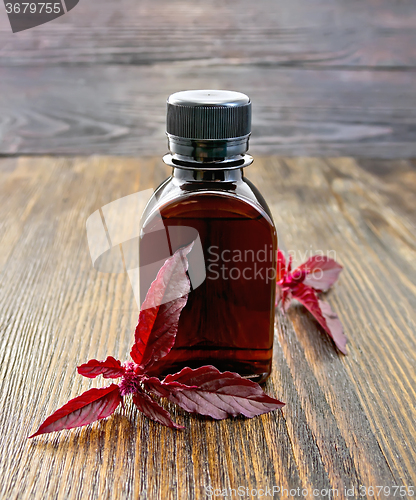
228	319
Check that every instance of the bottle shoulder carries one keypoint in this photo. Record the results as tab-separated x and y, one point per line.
231	198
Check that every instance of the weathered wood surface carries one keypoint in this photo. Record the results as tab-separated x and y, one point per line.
326	77
121	109
348	420
371	33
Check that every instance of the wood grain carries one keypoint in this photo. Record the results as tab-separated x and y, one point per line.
319	33
326	77
348	420
121	110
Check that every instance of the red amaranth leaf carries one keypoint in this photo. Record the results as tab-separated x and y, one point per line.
152	410
110	368
163	333
219	395
163	389
93	405
159	316
335	326
307	297
295	277
322	272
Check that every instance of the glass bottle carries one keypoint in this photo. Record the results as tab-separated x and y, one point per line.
228	321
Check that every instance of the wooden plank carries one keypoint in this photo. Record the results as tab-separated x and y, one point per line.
348	420
120	110
318	33
328	78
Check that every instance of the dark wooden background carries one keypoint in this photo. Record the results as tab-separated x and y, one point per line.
327	77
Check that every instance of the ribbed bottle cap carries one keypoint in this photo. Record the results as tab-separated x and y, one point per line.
208	124
208	114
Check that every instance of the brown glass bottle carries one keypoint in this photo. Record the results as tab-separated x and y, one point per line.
229	317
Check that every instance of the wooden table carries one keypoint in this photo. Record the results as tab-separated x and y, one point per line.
348	421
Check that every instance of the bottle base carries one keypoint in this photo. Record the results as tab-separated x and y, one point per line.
254	365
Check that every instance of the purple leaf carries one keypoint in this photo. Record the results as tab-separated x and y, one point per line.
322	272
152	410
307	296
159	316
336	330
93	405
163	389
110	368
219	395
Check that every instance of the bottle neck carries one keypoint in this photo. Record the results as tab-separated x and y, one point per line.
229	169
208	175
